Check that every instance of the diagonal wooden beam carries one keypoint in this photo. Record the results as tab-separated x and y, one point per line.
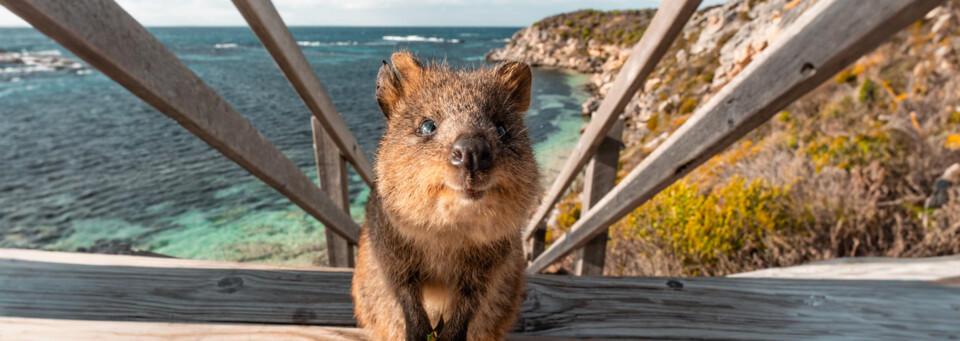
276	38
663	30
104	35
828	37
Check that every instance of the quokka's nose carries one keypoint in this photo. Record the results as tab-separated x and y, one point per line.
471	154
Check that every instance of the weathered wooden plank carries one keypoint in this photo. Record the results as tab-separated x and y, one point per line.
739	309
266	23
659	35
332	178
826	38
104	35
130	288
600	176
123	290
31	329
916	269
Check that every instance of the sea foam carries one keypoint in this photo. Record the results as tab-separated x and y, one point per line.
421	39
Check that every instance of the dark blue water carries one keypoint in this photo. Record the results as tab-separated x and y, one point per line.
83	160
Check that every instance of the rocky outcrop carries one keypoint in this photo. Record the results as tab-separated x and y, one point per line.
716	44
587	40
41	61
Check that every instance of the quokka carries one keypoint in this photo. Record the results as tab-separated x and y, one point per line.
456	179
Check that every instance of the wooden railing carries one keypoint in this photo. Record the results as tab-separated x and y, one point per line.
826	38
829	36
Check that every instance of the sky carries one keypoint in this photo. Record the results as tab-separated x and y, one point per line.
514	13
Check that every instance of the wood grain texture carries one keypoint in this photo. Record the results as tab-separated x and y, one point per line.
657	38
129	288
104	35
266	23
915	269
599	177
827	37
123	290
29	329
739	309
332	178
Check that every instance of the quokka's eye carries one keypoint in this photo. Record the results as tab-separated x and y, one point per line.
428	127
501	131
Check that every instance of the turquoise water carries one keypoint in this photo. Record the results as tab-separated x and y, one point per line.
82	160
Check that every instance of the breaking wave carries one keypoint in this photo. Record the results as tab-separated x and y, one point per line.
421	39
333	43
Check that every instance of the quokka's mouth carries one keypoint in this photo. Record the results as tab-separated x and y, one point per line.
470	188
471	194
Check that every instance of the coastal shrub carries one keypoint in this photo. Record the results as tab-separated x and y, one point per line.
569	23
868	92
688	106
707	77
704	227
751	3
653	123
569	208
724	39
954	118
847	152
784	117
846	77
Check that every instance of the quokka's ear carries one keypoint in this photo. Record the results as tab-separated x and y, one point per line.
392	82
516	79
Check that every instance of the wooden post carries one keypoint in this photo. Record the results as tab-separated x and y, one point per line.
600	177
332	178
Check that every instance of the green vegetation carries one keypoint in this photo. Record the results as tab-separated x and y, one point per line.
846	76
868	92
688	106
621	27
704	227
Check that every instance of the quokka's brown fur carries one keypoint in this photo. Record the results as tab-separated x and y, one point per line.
442	238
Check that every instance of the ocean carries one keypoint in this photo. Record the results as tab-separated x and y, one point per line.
84	163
